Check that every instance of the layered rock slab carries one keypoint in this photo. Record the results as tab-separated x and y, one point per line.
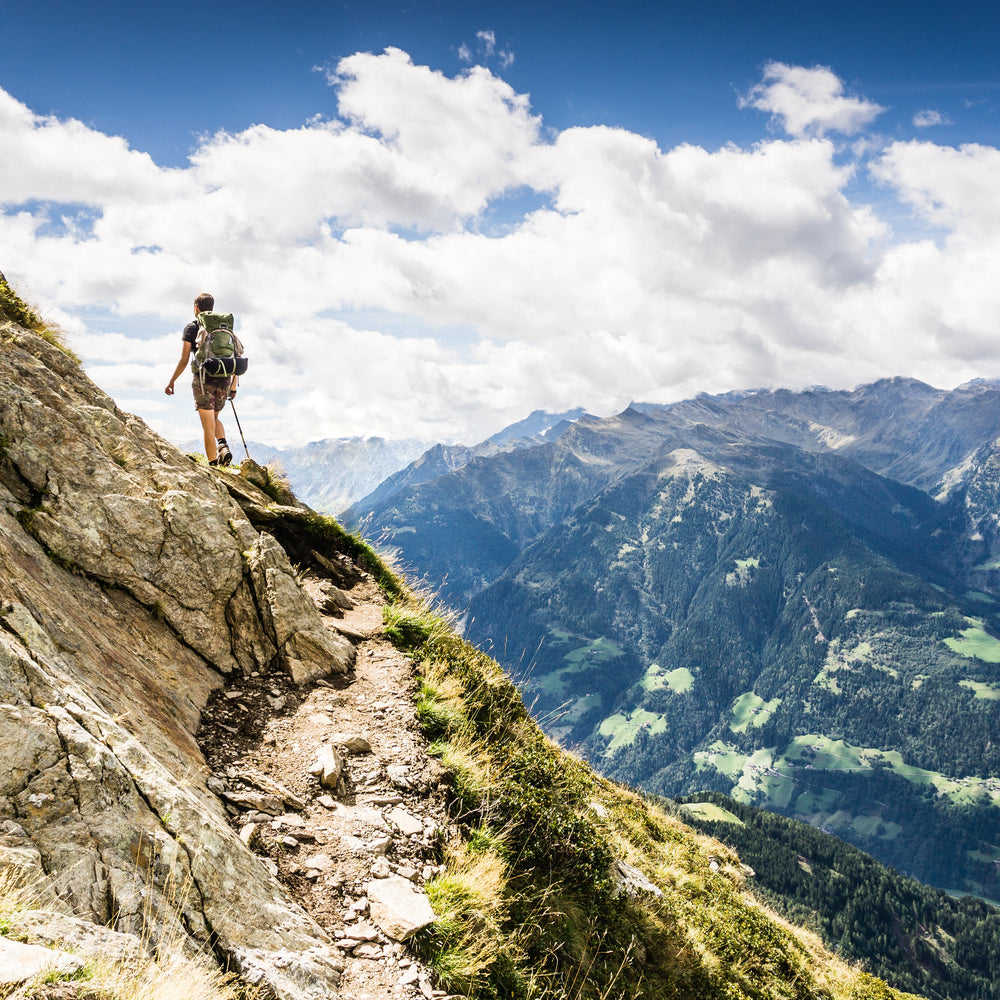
130	582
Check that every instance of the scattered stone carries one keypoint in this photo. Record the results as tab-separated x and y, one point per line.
249	834
405	871
371	951
398	908
333	598
291	820
266	784
354	844
380	868
629	881
406	823
329	766
352	743
318	863
399	775
270	804
380	845
383	800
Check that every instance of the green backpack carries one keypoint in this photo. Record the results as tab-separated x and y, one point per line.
218	351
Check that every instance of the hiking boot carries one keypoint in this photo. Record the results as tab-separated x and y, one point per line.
213	462
225	455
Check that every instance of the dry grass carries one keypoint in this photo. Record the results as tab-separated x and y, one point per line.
168	974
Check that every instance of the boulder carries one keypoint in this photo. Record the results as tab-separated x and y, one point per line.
306	647
397	907
328	767
21	962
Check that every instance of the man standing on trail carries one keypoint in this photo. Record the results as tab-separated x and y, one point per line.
210	394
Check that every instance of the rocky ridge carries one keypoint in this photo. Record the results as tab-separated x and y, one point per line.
138	592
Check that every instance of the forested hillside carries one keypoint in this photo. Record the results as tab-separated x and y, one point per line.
917	938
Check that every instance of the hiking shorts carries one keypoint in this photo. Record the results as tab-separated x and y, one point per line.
212	393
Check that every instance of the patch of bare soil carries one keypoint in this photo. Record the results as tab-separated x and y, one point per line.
330	838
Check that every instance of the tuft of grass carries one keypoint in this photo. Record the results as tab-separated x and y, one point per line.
276	484
169	976
16	310
470	903
410	624
16	896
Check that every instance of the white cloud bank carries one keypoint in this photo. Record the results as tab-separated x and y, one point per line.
388	279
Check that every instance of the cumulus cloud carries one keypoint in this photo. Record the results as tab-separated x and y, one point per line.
489	41
810	102
487	50
377	295
929	117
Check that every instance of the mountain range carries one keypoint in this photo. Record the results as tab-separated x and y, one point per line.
789	597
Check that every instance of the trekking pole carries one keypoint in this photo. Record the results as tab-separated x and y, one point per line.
242	438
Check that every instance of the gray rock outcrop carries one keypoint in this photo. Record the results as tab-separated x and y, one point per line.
130	584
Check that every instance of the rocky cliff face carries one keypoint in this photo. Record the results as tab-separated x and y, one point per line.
130	583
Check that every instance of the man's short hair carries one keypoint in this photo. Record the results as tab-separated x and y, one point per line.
205	302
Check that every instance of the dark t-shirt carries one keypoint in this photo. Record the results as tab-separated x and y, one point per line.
190	334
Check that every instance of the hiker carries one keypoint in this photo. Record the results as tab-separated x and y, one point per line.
210	394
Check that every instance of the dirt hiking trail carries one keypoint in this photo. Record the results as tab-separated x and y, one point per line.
331	785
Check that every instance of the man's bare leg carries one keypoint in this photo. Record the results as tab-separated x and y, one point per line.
209	422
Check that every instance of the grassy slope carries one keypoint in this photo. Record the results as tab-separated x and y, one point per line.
528	908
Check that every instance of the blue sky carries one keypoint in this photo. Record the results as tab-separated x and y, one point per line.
480	209
667	70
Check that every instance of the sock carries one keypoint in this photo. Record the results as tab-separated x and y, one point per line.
222	441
